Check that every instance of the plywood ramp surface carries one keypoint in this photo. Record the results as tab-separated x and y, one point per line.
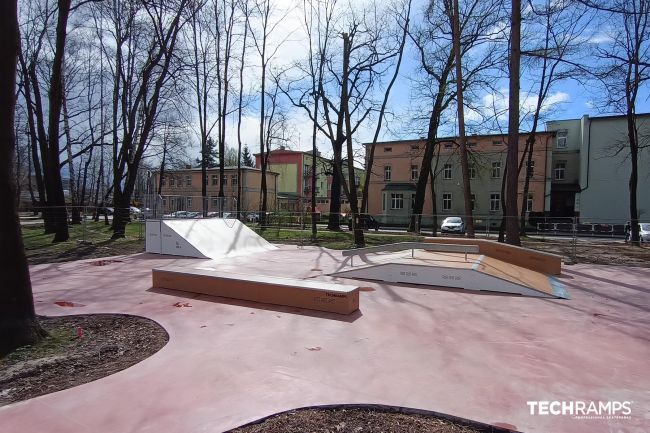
314	295
513	273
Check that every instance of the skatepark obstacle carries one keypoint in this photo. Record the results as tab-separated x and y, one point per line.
309	294
210	238
447	265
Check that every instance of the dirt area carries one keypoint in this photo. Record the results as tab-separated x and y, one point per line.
79	349
594	251
361	420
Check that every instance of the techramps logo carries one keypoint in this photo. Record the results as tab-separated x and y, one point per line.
579	409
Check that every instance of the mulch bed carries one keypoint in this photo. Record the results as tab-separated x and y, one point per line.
79	349
361	420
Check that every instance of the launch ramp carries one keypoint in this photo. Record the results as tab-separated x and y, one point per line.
211	238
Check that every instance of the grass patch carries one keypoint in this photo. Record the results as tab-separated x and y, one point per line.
336	240
58	339
87	240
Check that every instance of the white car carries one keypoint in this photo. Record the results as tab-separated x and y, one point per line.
644	232
453	225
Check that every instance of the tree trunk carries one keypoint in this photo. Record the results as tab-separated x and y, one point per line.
18	324
54	183
634	177
467	190
512	226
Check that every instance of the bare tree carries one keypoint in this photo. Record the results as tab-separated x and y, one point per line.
462	140
553	51
144	40
434	40
18	324
512	223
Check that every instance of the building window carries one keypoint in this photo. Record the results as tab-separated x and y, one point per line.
164	201
472	171
224	180
560	168
179	182
387	172
473	200
188	180
496	169
414	172
530	172
497	142
397	201
446	172
383	202
163	181
215	179
234	180
189	202
446	201
388	149
561	139
172	181
529	202
495	201
171	203
215	202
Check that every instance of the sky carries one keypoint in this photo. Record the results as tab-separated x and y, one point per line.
568	99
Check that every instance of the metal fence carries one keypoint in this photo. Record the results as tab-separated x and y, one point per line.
576	239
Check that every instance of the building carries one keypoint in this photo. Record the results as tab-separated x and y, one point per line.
591	169
181	189
295	179
397	165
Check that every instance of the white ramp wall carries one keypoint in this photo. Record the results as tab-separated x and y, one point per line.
203	238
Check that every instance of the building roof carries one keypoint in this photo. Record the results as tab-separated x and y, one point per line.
227	168
450	138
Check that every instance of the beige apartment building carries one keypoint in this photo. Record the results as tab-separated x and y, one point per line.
181	189
397	167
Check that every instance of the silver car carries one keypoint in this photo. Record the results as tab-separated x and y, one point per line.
453	225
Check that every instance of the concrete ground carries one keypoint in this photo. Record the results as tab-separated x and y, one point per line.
473	355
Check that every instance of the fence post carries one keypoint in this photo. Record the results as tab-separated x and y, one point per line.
575	240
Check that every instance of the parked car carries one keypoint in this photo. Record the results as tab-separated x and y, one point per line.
453	225
644	232
134	210
366	222
253	217
106	211
182	214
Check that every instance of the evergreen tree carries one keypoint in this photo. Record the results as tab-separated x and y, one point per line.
247	158
211	155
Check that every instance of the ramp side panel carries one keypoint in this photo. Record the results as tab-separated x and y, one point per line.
176	243
273	292
456	278
217	237
153	240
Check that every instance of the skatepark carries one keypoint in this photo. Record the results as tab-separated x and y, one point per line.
259	333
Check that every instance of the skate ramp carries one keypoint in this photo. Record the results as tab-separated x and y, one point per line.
212	238
455	270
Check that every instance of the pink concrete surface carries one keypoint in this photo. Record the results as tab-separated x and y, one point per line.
472	355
